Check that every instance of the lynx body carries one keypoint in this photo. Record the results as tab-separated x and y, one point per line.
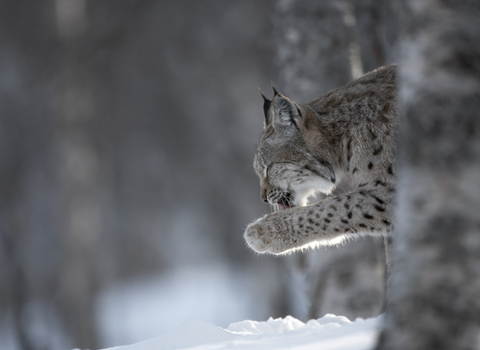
348	134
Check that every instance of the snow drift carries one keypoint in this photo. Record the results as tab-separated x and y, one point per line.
327	333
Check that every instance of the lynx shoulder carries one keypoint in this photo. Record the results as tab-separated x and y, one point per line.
348	133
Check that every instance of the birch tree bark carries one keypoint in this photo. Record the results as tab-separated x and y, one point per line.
434	291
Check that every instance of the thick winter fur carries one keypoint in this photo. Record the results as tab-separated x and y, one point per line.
348	133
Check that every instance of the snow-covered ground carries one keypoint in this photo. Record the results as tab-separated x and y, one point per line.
327	333
139	309
198	307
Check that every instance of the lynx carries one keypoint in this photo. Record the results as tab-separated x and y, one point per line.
348	133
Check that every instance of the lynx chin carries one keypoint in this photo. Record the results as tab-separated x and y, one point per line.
349	134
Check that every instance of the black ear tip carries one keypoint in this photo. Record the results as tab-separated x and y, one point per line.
264	98
275	91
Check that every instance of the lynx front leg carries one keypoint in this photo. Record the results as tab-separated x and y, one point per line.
322	223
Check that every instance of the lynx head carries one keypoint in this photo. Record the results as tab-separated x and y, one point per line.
290	160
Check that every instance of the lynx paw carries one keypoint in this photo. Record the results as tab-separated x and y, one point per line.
265	236
254	237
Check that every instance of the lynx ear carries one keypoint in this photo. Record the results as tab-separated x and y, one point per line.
267	104
275	91
286	113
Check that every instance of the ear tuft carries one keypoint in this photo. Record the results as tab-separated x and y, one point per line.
261	93
267	104
275	91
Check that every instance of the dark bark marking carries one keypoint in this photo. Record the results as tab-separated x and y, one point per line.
349	150
390	170
378	150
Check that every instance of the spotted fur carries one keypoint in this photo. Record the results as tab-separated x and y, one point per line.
348	134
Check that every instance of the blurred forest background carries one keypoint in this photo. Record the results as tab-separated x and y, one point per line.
127	131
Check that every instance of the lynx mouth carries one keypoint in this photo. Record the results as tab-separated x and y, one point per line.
282	206
286	202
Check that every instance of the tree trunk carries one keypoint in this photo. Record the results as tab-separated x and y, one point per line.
435	285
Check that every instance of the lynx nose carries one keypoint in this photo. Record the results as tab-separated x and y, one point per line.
263	195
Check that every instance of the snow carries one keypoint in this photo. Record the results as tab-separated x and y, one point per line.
197	307
327	333
142	308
